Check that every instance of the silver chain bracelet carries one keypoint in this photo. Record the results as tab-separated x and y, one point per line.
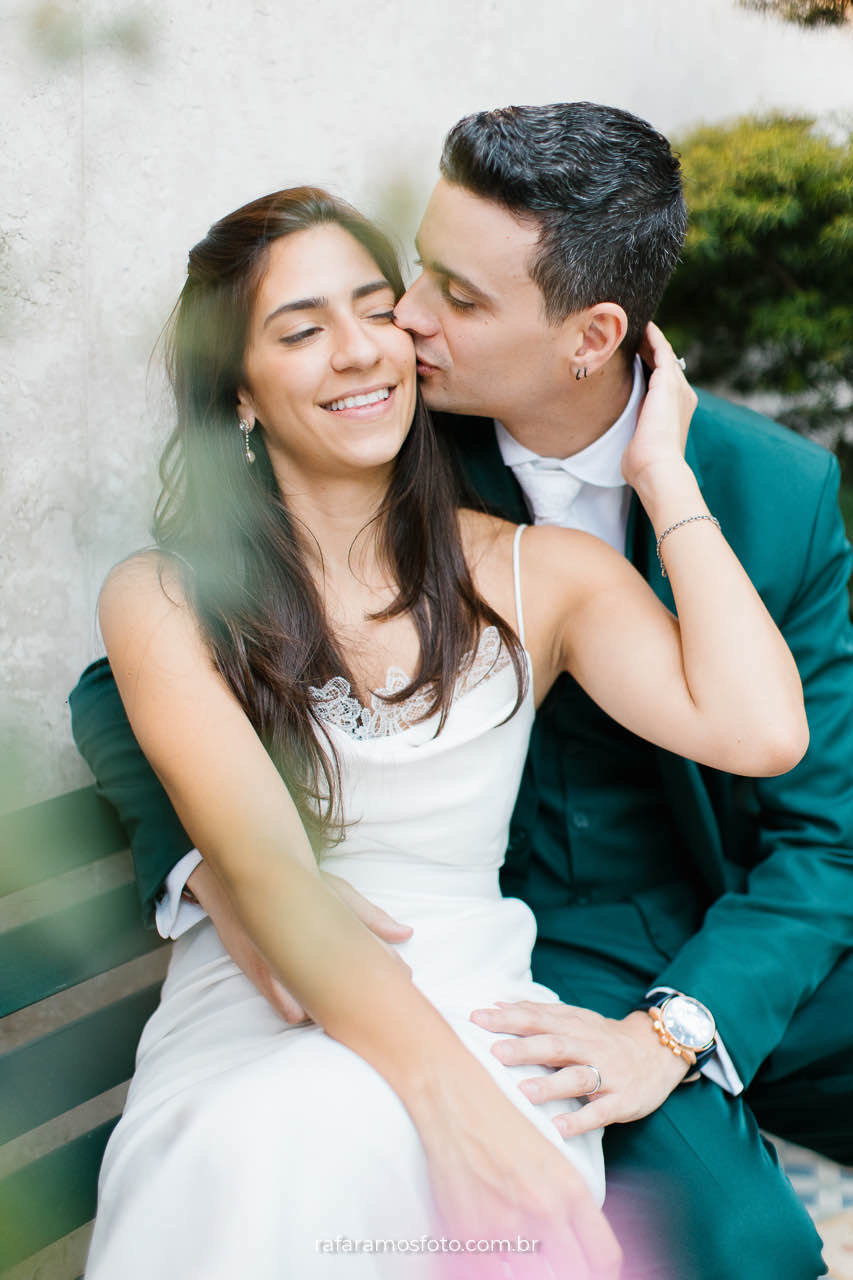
677	525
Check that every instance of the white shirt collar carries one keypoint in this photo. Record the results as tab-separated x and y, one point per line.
600	463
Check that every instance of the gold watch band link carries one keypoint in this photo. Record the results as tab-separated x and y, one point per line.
680	1050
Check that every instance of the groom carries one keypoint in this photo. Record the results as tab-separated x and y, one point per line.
545	248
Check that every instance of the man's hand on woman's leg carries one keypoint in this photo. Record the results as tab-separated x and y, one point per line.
211	894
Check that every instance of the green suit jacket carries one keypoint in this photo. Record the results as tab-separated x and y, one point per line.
772	859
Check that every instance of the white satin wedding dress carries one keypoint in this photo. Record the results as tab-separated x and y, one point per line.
246	1143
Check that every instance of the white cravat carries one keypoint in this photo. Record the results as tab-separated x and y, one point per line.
549	488
587	490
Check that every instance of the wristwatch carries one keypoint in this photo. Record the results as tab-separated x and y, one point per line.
684	1025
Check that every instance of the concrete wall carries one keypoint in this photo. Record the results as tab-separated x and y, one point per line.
128	129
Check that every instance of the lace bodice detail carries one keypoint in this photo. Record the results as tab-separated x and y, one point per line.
336	705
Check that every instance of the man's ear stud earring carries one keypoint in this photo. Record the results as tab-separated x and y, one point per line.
246	427
581	373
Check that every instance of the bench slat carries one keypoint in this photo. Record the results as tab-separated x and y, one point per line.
48	1077
52	1196
58	951
48	839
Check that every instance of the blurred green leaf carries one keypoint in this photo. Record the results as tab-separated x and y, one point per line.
808	13
60	33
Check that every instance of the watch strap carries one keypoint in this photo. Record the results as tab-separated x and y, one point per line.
653	1000
669	1041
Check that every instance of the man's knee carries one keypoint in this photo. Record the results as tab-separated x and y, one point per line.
766	1239
695	1193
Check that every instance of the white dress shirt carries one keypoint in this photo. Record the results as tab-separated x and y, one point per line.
586	491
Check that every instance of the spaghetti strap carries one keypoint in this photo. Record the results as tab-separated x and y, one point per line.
516	576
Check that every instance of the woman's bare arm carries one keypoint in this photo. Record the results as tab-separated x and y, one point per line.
716	685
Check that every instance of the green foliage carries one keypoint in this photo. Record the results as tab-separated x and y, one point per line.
808	13
762	298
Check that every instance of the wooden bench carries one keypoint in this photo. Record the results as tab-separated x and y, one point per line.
72	946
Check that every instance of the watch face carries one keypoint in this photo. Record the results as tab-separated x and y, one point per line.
688	1022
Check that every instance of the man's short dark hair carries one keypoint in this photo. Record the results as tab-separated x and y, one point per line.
604	187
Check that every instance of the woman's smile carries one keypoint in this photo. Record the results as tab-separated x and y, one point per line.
367	404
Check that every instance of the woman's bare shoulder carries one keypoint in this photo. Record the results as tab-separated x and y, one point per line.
144	578
550	556
146	620
483	535
547	548
551	547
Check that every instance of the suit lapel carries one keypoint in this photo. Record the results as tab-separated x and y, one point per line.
475	447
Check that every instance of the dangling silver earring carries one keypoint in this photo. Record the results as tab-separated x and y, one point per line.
581	373
246	427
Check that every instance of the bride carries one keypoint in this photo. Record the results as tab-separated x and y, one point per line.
333	669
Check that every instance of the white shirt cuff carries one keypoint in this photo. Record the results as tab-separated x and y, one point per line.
720	1067
721	1070
173	914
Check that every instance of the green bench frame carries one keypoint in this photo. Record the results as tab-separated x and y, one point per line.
47	1197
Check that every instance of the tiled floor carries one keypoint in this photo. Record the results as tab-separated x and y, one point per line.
826	1189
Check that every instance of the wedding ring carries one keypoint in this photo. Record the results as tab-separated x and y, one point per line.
597	1088
680	360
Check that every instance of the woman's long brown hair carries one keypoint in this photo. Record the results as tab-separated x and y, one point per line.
234	539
